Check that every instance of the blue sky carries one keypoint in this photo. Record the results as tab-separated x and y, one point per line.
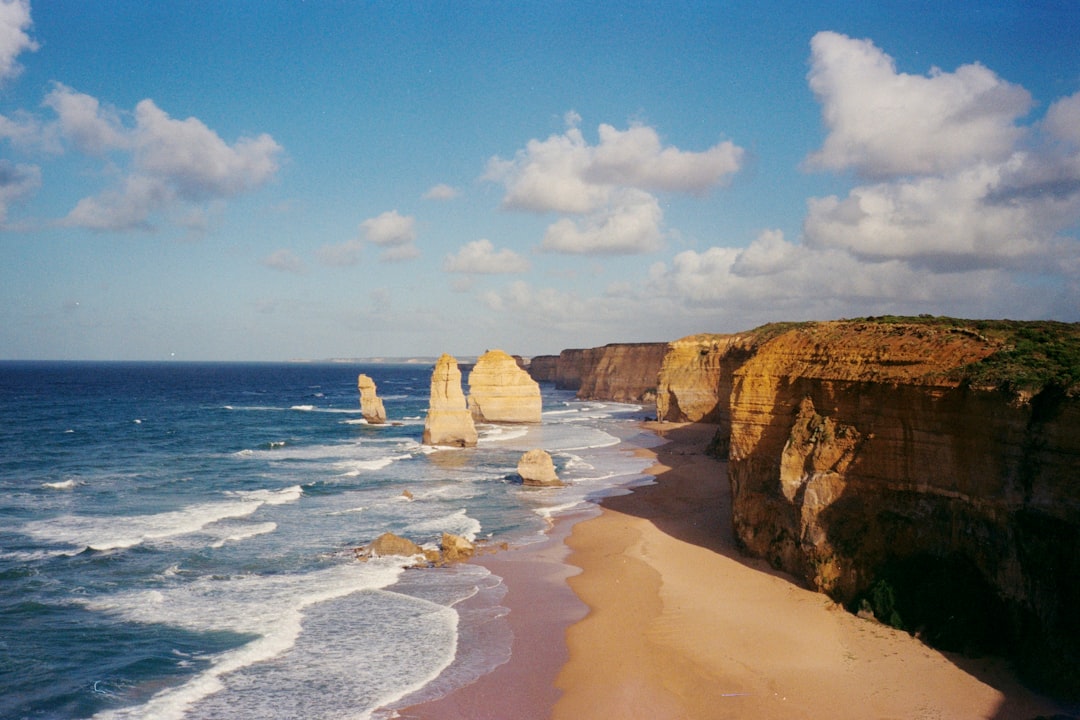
277	180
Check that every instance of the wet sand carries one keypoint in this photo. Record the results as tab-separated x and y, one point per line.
680	625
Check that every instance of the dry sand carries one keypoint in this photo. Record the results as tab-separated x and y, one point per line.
681	625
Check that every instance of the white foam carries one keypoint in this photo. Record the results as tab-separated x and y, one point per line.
271	607
305	408
458	523
118	532
246	532
61	485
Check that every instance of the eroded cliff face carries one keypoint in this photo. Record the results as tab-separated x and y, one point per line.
622	372
696	375
862	461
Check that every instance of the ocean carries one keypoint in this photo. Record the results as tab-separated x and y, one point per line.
177	539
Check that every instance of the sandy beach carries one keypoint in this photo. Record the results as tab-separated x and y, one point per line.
666	619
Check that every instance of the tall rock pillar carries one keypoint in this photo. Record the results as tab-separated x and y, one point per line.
501	391
449	421
371	405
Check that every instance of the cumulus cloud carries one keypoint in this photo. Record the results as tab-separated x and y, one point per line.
629	224
394	232
606	187
480	257
17	181
441	192
285	261
14	39
883	123
958	185
167	162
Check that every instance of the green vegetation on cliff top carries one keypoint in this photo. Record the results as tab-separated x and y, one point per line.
1031	355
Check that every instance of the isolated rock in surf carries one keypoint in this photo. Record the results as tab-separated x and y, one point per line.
536	468
371	405
500	391
448	421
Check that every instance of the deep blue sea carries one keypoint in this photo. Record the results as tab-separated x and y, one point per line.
176	539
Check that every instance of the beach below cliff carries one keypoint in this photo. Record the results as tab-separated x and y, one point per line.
648	610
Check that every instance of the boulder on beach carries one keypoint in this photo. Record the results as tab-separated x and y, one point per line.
500	391
448	421
536	468
371	406
389	544
456	548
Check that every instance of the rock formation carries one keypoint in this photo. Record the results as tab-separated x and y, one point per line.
544	368
695	378
927	469
389	544
622	372
536	468
455	548
501	392
371	405
449	421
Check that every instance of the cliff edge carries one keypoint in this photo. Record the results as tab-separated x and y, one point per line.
925	470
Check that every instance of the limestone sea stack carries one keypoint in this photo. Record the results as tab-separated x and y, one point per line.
536	468
371	405
500	391
448	421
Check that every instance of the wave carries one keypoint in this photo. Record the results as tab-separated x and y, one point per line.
245	533
358	467
62	485
271	608
82	532
458	523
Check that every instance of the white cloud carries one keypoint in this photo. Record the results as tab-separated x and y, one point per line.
285	261
17	181
195	160
170	164
630	225
606	187
82	120
636	158
480	257
389	229
1062	120
14	23
342	254
395	233
883	123
441	192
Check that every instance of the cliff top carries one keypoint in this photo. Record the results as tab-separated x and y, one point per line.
1016	356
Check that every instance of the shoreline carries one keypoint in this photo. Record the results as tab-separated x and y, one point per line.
660	616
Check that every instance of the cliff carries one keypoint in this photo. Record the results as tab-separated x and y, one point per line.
900	468
622	372
501	391
448	421
926	470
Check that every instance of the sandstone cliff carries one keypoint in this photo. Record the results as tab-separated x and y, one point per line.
868	459
924	469
544	368
622	372
371	405
449	421
501	392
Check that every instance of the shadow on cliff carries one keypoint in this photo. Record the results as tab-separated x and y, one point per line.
691	502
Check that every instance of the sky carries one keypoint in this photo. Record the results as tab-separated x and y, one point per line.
272	180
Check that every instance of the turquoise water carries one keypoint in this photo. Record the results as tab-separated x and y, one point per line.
176	540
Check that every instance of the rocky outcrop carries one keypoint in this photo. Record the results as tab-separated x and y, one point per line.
455	548
867	459
371	405
537	468
452	548
449	421
500	391
544	368
696	375
622	372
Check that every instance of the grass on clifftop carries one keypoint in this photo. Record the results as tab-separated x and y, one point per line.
1034	354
